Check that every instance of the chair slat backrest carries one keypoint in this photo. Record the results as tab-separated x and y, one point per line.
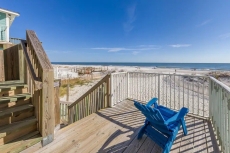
152	115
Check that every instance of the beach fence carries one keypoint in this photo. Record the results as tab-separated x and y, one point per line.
64	73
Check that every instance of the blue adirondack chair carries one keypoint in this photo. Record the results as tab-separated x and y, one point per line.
162	124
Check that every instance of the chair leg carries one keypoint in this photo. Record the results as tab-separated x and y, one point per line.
184	126
141	132
169	144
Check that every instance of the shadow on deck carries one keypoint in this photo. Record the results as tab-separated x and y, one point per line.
115	130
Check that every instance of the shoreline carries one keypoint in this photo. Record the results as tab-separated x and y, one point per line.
140	69
184	66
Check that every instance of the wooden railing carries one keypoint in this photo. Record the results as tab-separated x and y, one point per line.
219	112
40	80
64	111
98	97
37	83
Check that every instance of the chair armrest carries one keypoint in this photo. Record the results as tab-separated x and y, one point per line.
152	102
183	111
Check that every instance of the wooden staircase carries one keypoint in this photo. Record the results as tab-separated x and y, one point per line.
18	125
29	96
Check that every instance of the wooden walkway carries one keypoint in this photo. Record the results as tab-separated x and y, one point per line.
115	130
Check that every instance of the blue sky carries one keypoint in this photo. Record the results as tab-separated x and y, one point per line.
127	31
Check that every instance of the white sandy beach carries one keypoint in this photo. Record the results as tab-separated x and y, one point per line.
77	91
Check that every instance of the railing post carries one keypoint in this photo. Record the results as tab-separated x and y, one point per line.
159	80
128	85
45	101
111	91
2	72
210	99
67	95
108	90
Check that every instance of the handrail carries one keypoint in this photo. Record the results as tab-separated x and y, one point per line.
36	80
36	45
227	88
96	98
219	112
90	90
172	74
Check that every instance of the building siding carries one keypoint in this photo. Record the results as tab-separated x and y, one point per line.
2	26
2	19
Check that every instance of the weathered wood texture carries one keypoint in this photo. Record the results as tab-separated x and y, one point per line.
25	56
64	112
11	63
2	73
40	80
57	102
5	46
115	130
93	100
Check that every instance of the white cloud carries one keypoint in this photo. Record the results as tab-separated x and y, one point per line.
110	49
57	51
204	23
137	49
127	26
180	45
135	52
150	46
224	36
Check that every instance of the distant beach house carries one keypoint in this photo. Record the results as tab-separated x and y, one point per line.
6	19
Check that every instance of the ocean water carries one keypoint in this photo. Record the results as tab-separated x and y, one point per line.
198	66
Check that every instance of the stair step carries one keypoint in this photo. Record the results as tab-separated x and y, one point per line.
15	111
13	92
11	82
14	98
21	143
16	130
7	87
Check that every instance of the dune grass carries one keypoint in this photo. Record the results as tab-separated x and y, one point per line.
72	83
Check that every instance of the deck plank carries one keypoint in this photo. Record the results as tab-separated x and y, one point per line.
208	138
186	142
199	144
147	146
115	130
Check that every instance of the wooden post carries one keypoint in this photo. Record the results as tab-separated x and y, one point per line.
57	102
2	73
21	64
111	90
67	96
48	115
45	96
128	85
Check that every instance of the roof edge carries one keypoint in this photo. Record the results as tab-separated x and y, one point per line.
8	11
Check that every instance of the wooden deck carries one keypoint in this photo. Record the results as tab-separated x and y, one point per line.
115	130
